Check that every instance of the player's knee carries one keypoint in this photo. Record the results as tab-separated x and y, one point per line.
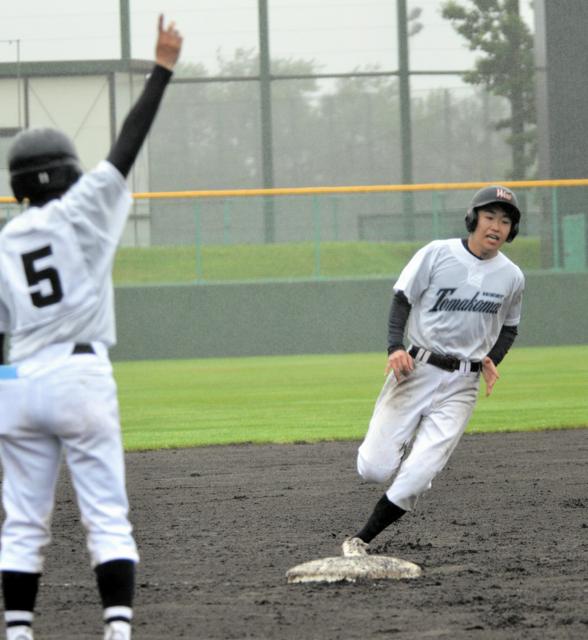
23	550
372	472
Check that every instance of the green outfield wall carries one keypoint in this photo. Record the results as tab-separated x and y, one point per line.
330	316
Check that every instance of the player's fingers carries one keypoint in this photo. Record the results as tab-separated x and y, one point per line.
160	23
490	382
390	368
400	373
406	364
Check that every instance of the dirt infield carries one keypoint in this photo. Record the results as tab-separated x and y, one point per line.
502	538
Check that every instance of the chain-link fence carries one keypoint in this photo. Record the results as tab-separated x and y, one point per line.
334	232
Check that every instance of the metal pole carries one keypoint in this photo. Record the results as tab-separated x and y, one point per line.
198	240
405	123
266	121
26	109
125	30
316	211
555	227
227	209
18	83
112	106
125	55
436	215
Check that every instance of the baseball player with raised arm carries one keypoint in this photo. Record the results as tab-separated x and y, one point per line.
460	300
58	396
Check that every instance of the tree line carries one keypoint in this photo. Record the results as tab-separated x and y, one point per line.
347	130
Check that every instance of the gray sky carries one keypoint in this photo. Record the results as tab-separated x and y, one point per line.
340	35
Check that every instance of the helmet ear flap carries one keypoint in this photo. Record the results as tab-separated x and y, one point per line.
471	220
514	230
40	186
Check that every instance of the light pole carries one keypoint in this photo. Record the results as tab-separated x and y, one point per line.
407	26
266	121
18	80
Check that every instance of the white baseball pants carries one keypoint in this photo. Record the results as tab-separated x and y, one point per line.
68	407
429	409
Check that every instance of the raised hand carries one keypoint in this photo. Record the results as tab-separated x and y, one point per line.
168	46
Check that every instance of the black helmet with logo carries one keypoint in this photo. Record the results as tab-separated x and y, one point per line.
43	164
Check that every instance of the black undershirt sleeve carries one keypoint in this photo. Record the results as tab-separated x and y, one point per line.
138	121
397	319
503	343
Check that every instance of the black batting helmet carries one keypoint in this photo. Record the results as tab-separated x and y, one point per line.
495	194
43	164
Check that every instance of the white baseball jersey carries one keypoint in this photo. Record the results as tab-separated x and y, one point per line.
56	262
459	302
56	290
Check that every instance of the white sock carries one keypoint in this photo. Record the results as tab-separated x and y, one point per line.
19	631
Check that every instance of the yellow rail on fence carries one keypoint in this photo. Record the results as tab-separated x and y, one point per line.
383	188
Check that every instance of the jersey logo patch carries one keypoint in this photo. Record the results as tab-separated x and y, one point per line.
474	304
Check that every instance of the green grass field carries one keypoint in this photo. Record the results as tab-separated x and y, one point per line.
185	403
179	264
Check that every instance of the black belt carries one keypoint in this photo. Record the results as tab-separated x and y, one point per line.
82	347
445	362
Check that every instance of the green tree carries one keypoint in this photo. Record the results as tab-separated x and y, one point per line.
506	69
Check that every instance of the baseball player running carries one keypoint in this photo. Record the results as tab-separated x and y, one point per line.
462	302
58	396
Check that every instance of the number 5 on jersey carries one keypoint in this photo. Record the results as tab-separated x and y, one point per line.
42	295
